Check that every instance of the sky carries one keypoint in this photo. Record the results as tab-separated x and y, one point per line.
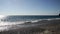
29	7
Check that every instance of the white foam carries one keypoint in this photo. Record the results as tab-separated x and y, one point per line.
45	19
10	23
34	21
57	18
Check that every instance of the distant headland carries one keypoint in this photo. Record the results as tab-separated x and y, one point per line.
59	14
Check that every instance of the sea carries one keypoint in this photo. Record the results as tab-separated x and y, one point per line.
7	21
25	18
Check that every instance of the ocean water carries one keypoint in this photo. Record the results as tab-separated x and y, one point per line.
9	22
25	18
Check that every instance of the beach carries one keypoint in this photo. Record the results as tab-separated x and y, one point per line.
40	27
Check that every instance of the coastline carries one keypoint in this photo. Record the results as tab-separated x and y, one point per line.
50	25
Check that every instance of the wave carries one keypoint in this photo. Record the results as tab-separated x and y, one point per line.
9	25
45	20
22	22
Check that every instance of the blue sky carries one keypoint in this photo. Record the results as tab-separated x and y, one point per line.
29	7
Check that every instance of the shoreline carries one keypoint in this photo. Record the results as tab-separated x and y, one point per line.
46	24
